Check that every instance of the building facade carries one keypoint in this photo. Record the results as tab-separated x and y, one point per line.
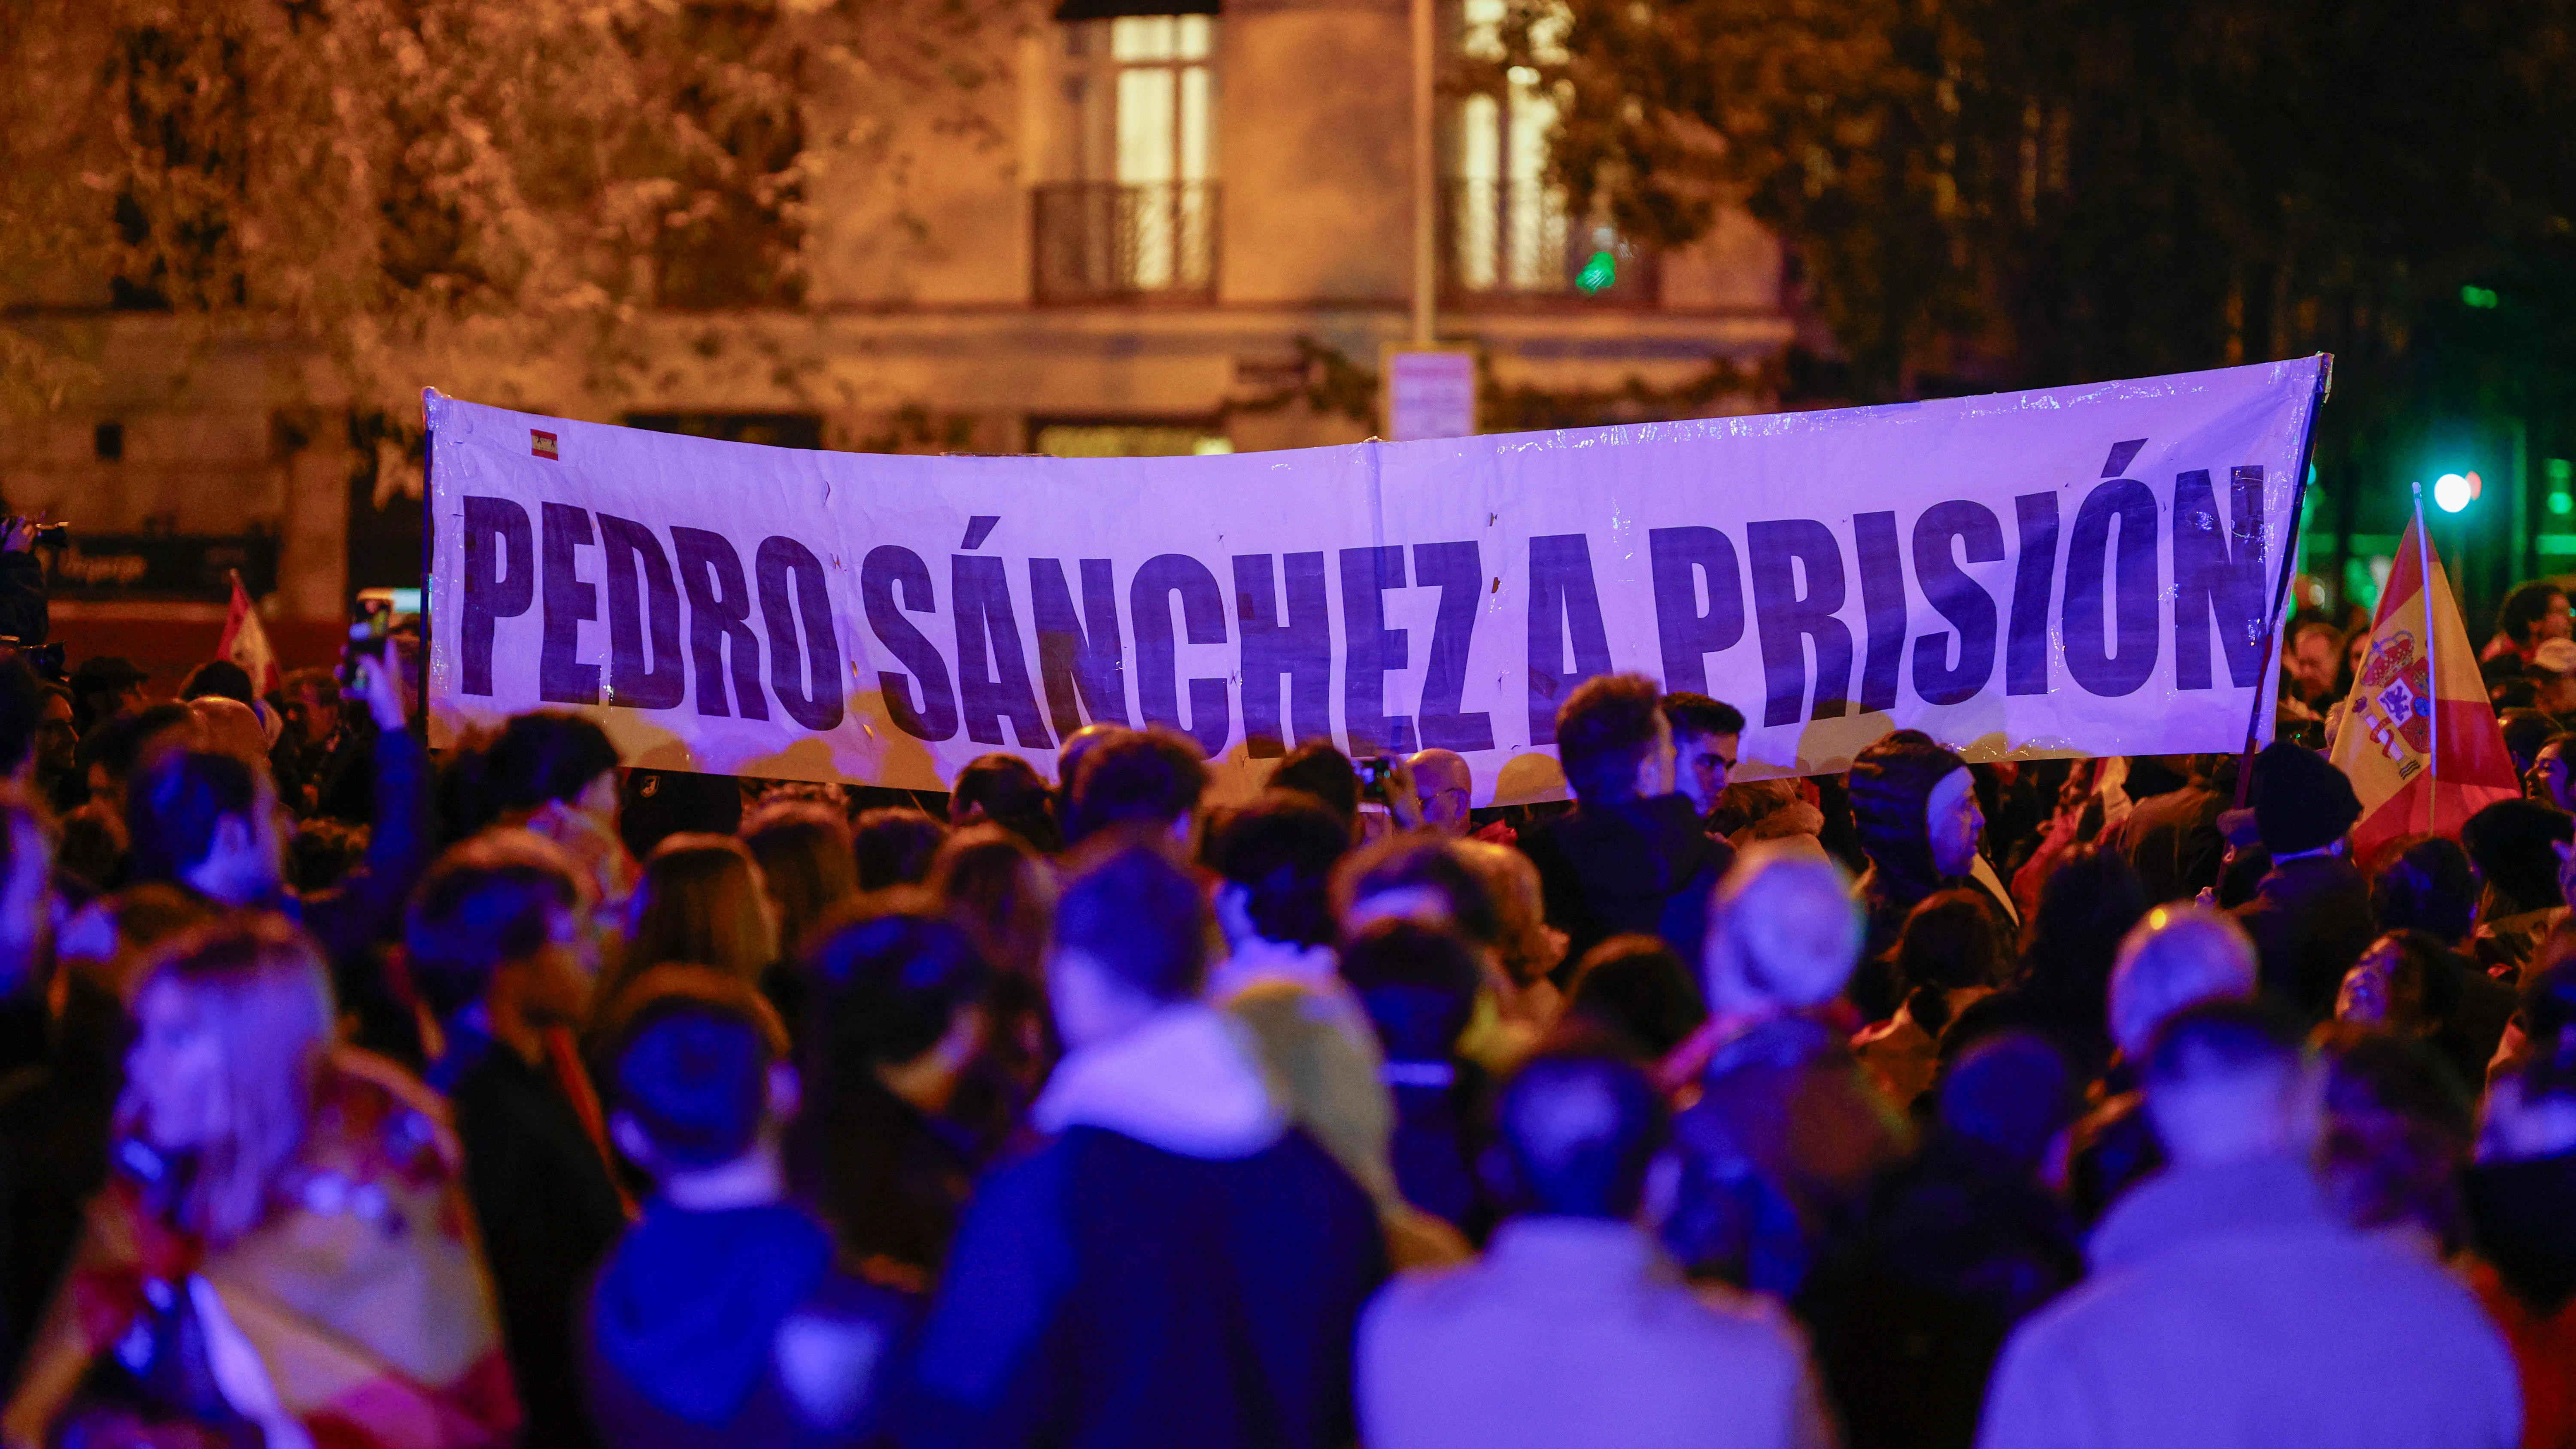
1171	226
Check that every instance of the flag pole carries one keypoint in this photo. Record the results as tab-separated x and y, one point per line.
2267	691
2432	672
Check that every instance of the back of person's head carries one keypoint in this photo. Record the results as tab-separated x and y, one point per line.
1604	732
1783	930
2398	1131
22	712
220	677
2178	955
2087	904
1692	714
124	744
174	810
691	1054
1580	1128
1135	777
804	853
2514	846
257	992
2425	883
1008	791
887	988
1525	946
654	805
2227	1080
2525	731
1951	941
1001	893
2526	606
2014	1092
1638	988
1277	856
229	727
701	902
1322	773
1135	914
497	898
1419	876
894	846
1419	982
542	757
2546	1017
1891	799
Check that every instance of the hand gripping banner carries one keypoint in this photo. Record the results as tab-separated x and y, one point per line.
2072	571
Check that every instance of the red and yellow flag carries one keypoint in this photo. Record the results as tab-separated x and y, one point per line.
2404	698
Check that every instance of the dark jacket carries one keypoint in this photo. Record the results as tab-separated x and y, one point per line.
890	1180
734	1330
1910	1308
2310	919
1105	1292
1778	1154
1629	867
24	615
1434	1149
548	1213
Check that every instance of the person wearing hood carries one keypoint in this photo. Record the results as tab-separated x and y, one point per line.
2516	846
1632	855
2310	915
1176	1264
721	1318
1788	1130
2230	1303
1915	806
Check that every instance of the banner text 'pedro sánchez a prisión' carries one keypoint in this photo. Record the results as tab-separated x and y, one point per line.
2085	570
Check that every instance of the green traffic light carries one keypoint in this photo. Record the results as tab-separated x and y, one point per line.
2482	298
1598	274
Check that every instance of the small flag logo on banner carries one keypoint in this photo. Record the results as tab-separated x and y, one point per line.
542	444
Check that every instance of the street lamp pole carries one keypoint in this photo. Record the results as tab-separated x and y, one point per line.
1426	249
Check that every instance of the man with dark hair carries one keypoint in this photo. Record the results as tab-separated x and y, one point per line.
2534	613
1275	857
1008	791
1322	773
220	677
721	1318
2230	1303
105	687
1137	777
1176	1265
1706	733
208	822
2310	916
1632	1355
499	953
1631	856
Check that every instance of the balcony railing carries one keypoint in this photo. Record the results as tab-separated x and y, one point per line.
1512	241
1108	241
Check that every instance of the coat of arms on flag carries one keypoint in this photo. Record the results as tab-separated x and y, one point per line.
2394	702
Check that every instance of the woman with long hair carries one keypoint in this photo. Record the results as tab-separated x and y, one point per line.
701	902
284	1246
2063	984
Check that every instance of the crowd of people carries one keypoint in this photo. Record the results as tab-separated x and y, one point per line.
355	1096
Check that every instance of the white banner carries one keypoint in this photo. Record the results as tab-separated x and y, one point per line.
2083	570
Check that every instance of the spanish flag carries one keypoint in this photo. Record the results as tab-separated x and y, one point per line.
2418	692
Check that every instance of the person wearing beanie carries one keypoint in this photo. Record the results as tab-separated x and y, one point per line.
2310	915
2515	845
1915	807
